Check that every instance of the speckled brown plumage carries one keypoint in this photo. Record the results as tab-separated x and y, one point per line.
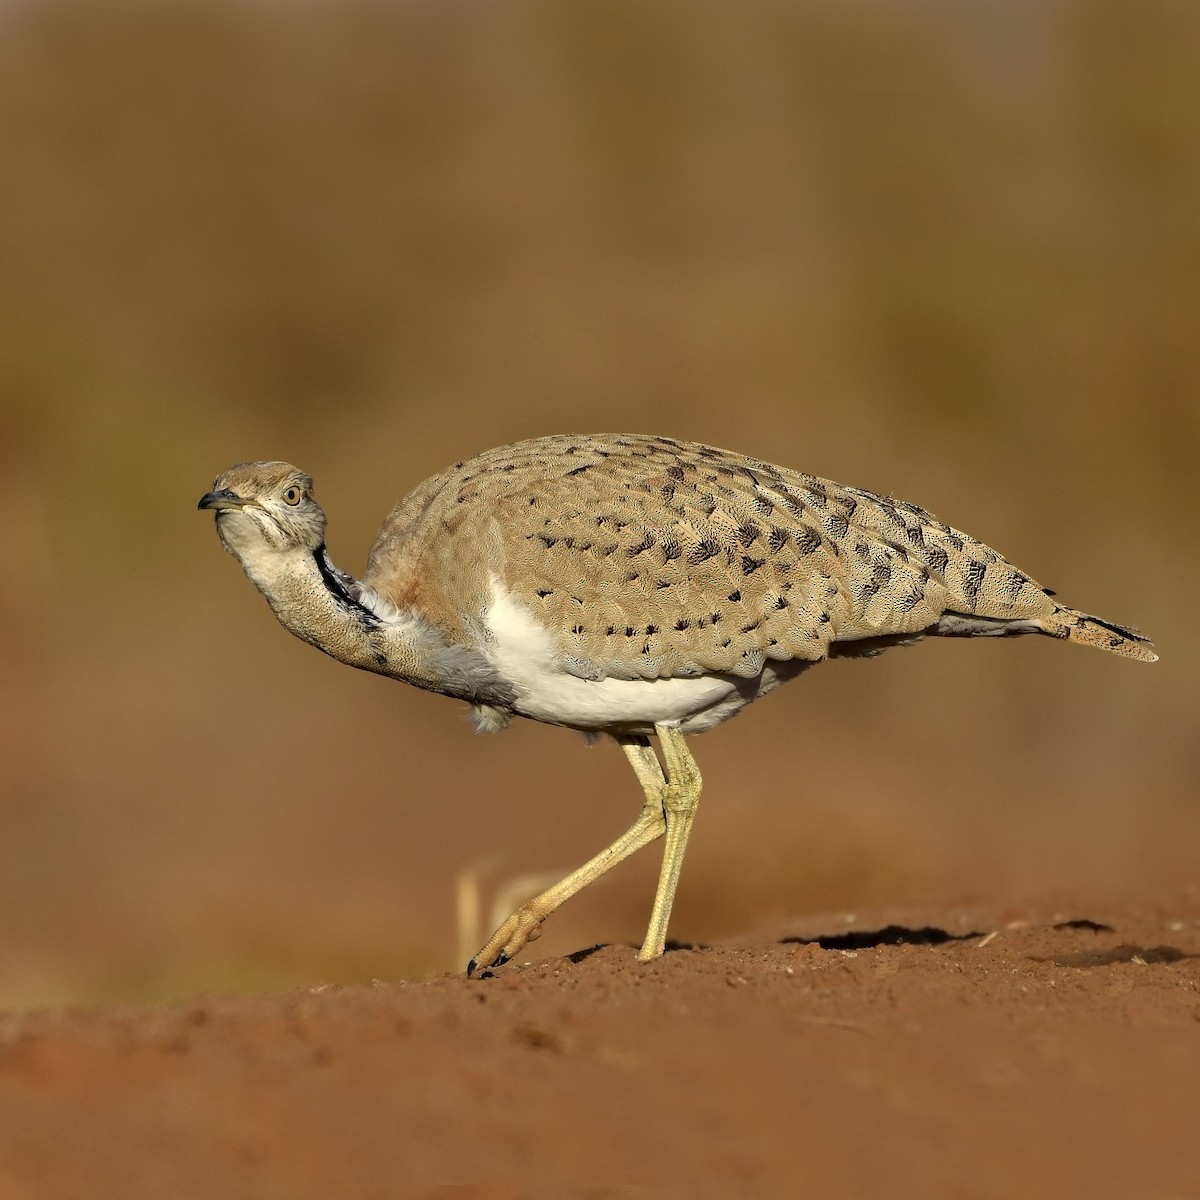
652	558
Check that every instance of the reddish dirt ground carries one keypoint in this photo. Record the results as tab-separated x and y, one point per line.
963	1053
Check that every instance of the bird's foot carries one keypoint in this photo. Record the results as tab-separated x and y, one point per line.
523	926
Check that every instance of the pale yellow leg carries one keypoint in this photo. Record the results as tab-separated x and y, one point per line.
680	799
651	823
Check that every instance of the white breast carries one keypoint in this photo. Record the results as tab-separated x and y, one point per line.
524	654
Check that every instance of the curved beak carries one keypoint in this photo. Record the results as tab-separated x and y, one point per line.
222	500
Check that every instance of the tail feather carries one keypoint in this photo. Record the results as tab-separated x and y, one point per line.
1104	635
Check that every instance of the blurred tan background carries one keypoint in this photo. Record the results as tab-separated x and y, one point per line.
950	253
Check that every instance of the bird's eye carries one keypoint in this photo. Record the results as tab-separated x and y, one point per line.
293	495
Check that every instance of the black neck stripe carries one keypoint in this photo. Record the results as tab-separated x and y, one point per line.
337	589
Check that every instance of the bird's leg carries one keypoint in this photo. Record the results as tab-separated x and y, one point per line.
680	798
651	823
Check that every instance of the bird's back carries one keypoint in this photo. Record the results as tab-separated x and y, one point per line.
651	558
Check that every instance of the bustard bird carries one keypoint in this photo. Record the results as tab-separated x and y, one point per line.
627	585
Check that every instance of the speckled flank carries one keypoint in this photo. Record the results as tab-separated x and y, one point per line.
651	558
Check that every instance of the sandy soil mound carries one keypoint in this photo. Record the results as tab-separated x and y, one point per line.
977	1053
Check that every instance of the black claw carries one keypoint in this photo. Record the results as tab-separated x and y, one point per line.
498	961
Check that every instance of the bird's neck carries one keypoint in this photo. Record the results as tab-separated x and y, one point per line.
331	610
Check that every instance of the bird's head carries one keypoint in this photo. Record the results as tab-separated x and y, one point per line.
265	509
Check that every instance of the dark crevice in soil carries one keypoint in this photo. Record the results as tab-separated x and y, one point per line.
889	935
1147	955
580	955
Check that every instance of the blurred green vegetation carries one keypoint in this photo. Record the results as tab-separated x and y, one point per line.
945	250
